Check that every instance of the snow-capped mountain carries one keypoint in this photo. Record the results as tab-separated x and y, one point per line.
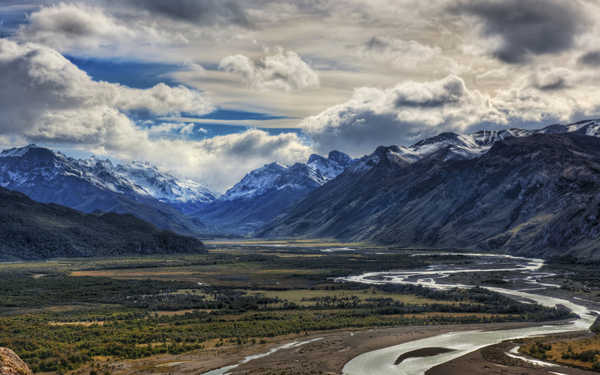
265	192
447	146
164	186
99	185
273	177
26	166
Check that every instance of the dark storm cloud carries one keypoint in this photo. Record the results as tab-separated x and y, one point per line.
527	27
196	11
591	58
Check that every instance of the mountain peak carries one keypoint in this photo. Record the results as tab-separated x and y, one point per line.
339	157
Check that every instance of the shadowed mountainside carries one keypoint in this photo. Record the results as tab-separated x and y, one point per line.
32	230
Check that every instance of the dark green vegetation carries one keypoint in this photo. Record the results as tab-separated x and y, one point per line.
534	195
63	314
32	230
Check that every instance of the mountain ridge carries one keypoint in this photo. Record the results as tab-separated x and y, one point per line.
33	230
527	195
97	185
265	192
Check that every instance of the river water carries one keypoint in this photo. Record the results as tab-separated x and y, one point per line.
381	362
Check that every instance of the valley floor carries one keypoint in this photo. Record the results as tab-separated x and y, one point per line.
196	313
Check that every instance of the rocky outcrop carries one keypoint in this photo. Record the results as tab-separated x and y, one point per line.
11	364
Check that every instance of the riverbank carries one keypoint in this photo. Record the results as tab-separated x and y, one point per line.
492	360
328	355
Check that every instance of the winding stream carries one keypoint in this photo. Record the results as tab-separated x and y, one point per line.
381	362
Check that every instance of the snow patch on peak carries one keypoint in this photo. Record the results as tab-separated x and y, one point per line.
271	177
30	165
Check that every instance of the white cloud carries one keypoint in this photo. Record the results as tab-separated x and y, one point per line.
284	70
64	26
89	28
45	98
413	110
399	115
40	87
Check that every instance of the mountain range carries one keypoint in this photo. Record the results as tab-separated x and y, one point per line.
508	189
139	188
534	193
98	185
266	192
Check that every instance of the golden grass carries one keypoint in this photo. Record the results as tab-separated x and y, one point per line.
300	296
577	346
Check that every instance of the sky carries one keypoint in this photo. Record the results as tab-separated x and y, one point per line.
211	89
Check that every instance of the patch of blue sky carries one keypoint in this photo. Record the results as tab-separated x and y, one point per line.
234	114
137	74
11	17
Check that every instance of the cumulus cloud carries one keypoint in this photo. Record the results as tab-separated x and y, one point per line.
284	70
69	25
412	110
45	98
80	26
218	162
519	29
39	83
399	115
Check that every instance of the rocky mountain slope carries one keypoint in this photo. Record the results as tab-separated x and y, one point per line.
265	192
11	364
98	185
533	195
32	230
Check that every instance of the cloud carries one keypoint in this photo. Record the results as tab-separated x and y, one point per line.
44	98
218	162
397	52
90	28
209	12
522	28
39	83
284	70
170	128
399	115
68	25
549	79
591	58
413	110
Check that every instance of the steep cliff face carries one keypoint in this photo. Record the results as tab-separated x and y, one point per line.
11	364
